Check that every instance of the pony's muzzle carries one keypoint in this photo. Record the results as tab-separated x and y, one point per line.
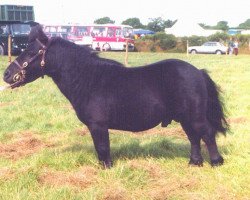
6	75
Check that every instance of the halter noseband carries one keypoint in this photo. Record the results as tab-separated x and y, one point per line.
20	76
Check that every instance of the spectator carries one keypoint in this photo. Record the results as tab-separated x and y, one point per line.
230	46
236	47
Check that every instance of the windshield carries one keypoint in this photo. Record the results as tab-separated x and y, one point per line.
127	32
21	29
98	31
82	31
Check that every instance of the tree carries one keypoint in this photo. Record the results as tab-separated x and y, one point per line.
203	25
222	25
169	23
159	25
104	20
156	24
219	37
134	22
206	26
169	42
245	25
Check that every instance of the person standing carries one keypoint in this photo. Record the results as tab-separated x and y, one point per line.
236	47
230	46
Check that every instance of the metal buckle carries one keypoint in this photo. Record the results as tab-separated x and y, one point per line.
17	77
42	63
25	64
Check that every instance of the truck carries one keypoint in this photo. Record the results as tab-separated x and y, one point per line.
15	22
16	13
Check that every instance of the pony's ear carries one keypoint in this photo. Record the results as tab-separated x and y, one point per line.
37	33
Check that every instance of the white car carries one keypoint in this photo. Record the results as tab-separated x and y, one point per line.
209	47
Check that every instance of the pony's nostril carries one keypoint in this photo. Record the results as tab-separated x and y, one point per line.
6	74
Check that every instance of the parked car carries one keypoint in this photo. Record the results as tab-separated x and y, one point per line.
209	48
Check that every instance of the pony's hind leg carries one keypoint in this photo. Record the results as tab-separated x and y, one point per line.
210	141
195	157
201	129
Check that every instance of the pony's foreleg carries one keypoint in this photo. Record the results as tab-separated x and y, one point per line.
100	137
195	156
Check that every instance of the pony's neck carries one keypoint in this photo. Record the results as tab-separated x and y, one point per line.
77	70
66	66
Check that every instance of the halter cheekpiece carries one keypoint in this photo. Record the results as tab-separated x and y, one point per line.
20	76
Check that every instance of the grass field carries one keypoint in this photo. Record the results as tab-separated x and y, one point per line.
46	153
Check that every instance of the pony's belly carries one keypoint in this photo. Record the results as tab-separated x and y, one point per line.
135	127
138	120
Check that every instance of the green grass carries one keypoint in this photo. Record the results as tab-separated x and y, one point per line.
46	153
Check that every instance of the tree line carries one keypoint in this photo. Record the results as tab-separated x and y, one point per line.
159	24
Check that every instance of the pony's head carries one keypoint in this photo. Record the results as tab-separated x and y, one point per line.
29	65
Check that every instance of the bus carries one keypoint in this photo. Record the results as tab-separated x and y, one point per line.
56	30
112	37
99	37
78	34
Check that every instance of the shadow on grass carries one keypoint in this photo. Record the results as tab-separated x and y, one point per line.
163	148
166	148
134	148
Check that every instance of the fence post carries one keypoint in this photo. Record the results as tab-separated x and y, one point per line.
126	54
9	48
187	47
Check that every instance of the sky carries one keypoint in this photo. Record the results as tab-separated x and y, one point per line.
208	12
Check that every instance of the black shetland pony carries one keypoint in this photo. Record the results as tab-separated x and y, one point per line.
106	95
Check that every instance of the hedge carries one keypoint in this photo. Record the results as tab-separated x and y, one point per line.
169	43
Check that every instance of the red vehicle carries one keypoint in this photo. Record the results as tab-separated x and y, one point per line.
112	37
100	37
56	30
75	33
80	35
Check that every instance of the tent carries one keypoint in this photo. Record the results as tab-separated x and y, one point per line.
143	32
188	28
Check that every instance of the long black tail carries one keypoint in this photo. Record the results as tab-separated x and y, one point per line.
215	113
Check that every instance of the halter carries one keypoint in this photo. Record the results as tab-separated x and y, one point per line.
20	76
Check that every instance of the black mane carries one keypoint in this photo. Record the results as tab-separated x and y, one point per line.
86	52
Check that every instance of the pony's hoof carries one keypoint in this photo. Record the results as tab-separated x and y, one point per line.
217	162
106	164
197	163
